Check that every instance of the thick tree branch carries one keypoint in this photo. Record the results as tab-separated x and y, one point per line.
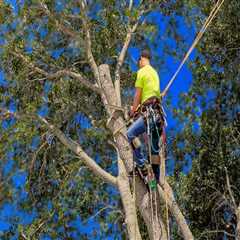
90	57
166	194
76	148
230	190
237	212
120	61
73	34
58	74
130	5
122	54
128	202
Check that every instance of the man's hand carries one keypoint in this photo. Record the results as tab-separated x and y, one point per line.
132	113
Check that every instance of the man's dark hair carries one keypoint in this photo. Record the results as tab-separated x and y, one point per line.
146	54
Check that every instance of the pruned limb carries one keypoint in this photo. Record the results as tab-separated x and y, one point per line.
125	154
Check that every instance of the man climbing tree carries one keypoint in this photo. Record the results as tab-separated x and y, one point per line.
147	98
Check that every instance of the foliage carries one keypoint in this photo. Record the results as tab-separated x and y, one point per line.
210	112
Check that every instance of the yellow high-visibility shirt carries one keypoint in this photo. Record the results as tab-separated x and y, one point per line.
148	80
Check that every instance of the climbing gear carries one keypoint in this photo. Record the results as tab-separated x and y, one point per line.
155	120
150	117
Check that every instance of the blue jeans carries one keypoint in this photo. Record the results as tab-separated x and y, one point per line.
137	128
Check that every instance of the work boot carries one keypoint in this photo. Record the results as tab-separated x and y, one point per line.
143	172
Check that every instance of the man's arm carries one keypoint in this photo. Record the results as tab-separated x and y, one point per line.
136	100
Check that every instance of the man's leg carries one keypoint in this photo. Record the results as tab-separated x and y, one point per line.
137	128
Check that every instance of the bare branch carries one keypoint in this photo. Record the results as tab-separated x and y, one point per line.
122	56
99	212
166	194
59	73
72	145
237	212
76	148
215	231
130	5
90	57
69	31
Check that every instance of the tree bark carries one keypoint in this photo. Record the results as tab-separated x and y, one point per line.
167	194
128	202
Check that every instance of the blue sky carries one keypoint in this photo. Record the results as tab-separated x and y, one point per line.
166	71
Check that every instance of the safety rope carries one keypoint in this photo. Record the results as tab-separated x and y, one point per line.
166	205
134	197
153	194
150	160
195	42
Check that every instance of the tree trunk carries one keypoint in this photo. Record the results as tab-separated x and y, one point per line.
167	194
157	230
128	202
123	181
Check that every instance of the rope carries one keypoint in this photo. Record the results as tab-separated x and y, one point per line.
150	160
166	205
195	42
134	198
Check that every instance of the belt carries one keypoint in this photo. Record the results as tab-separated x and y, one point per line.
154	102
151	101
